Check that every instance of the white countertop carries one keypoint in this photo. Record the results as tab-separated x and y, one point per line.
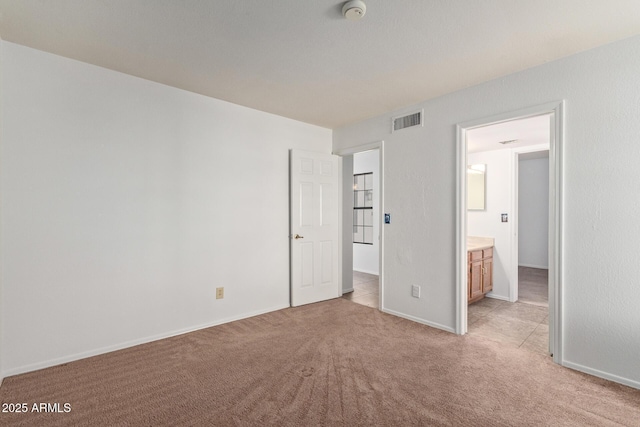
475	243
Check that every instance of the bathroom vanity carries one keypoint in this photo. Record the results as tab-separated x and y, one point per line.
480	267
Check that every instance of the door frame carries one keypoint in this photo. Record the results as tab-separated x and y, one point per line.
378	145
556	218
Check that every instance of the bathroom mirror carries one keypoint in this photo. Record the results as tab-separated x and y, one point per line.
476	184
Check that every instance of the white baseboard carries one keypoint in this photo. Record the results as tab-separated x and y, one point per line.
500	297
132	343
419	320
534	266
346	291
375	273
601	374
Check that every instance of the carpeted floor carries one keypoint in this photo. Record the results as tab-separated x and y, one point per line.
331	363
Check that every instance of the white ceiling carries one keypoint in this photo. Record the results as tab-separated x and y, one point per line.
526	132
301	59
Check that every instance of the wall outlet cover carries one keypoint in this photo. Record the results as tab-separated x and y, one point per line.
219	293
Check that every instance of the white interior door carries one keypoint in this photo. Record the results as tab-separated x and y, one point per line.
314	227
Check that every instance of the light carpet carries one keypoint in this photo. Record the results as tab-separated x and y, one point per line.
331	363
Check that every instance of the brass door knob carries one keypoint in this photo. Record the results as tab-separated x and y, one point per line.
297	236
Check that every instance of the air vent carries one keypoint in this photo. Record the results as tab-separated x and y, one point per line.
407	121
511	141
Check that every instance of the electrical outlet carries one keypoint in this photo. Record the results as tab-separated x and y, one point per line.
415	291
219	293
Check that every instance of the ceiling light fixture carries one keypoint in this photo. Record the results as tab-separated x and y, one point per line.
354	9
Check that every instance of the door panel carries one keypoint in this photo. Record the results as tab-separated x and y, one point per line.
326	168
306	204
487	275
326	262
314	227
306	264
306	166
328	199
476	279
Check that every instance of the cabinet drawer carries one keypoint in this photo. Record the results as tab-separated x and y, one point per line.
487	253
475	255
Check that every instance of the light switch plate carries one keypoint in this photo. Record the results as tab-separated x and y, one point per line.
415	291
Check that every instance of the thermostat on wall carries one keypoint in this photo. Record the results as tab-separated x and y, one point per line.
387	218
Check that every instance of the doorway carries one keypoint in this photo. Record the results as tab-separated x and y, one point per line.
366	231
509	161
362	228
533	228
504	223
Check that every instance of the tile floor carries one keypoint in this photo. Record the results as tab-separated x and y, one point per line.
365	290
521	324
533	286
515	324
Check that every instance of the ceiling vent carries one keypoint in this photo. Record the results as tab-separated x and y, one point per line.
510	141
410	120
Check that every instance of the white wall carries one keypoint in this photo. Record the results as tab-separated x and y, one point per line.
488	223
1	268
125	203
533	213
601	230
366	258
347	224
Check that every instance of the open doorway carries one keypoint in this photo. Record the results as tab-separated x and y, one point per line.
505	227
362	231
365	209
533	228
496	260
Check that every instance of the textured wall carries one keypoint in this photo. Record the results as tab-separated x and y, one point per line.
601	229
125	203
1	146
533	212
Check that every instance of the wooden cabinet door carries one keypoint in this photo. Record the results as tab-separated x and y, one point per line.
475	285
487	275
